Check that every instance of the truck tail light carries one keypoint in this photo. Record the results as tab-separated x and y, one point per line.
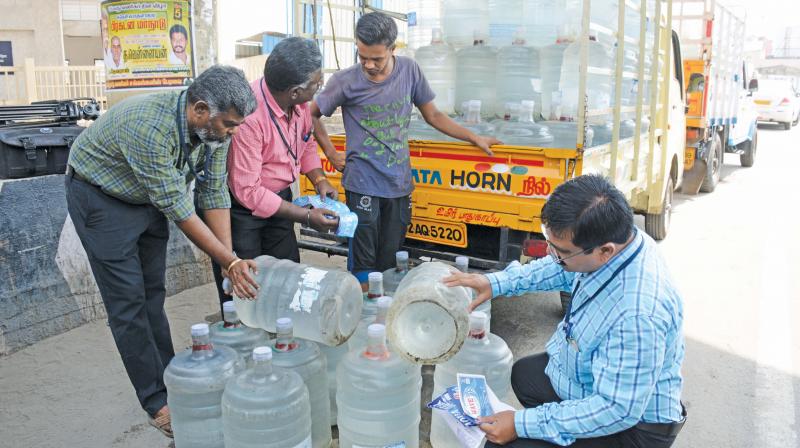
785	102
534	248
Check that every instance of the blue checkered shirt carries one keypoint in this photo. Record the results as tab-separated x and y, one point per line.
624	366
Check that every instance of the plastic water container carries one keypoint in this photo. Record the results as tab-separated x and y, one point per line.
195	379
438	63
266	407
565	134
378	397
333	356
599	90
518	75
305	358
472	119
505	21
525	132
551	58
423	17
545	20
462	19
428	321
393	276
324	304
477	77
359	339
231	332
484	354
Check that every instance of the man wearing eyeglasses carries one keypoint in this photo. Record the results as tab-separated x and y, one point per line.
610	376
273	147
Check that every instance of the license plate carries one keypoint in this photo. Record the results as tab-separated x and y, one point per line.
762	102
446	233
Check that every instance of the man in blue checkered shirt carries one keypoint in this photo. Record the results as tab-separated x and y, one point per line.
610	376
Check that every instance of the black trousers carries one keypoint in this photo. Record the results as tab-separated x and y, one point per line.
382	226
127	249
533	388
253	236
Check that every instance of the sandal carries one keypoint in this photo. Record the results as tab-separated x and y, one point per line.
163	424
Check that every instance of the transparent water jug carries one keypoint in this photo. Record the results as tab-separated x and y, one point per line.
518	75
305	358
505	21
462	264
359	338
472	119
324	304
231	332
477	77
602	133
378	397
333	356
565	134
484	354
438	63
195	379
266	407
393	276
423	17
525	132
551	60
599	91
544	21
462	19
428	321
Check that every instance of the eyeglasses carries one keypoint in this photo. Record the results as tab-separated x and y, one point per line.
554	253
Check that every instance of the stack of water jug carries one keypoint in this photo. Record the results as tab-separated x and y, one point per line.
490	60
329	362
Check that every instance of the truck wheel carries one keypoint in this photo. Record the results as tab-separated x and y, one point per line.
748	156
714	167
566	299
657	224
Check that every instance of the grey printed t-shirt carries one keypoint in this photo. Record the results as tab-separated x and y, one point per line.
376	117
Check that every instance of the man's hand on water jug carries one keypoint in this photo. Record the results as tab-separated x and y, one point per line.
478	282
239	273
499	428
323	220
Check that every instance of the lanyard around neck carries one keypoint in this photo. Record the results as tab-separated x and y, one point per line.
570	312
182	141
289	150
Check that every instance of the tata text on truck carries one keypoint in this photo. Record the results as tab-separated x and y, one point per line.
721	115
489	207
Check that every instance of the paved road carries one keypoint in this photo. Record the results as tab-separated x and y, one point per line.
734	254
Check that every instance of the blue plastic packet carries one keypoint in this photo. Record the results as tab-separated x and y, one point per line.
473	395
449	402
348	221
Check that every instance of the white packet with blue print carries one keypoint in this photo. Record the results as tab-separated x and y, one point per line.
348	221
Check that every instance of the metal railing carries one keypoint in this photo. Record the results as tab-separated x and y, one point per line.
27	83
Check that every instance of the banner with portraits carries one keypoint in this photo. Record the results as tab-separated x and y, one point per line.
147	44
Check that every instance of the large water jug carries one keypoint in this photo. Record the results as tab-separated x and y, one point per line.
359	338
472	119
324	304
565	134
393	276
484	354
423	17
428	321
551	60
265	407
438	63
379	396
544	21
305	358
505	21
195	379
599	74
525	132
518	75
477	77
231	332
333	356
463	19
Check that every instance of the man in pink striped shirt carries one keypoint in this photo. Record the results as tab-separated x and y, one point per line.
273	147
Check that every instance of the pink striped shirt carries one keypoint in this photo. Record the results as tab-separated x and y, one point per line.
259	163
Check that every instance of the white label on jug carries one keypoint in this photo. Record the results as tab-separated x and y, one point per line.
304	444
391	445
308	290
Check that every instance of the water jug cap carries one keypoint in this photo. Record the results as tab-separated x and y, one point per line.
477	319
376	331
462	261
199	329
283	323
375	276
401	255
474	105
528	104
262	354
228	306
384	302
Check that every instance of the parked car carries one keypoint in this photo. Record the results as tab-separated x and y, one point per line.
778	102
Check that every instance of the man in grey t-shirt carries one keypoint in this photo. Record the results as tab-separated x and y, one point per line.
377	97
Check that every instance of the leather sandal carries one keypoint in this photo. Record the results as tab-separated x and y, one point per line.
163	424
